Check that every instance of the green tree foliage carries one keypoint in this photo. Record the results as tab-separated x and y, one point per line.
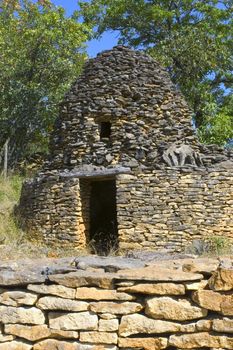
41	53
191	38
218	127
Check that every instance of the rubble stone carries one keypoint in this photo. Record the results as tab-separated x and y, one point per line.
73	321
171	309
156	288
116	308
10	314
143	343
138	324
99	337
54	303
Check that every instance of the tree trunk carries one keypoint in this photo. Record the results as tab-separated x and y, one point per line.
5	167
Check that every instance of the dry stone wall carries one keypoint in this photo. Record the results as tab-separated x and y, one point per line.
171	208
132	92
156	209
124	112
167	305
147	114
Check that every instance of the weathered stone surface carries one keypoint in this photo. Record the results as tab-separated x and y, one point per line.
6	338
208	299
54	303
120	284
143	343
73	321
123	308
152	273
204	325
9	314
171	309
100	294
52	344
107	316
214	301
221	280
178	155
109	264
202	265
199	326
156	288
84	278
15	345
196	285
32	333
108	325
60	334
16	298
138	324
59	291
224	325
25	271
20	278
227	305
35	333
98	337
200	340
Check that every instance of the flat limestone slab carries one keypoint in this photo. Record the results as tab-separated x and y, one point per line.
73	321
10	314
200	340
166	308
143	343
52	344
88	293
106	280
54	303
139	324
158	275
155	288
35	333
123	308
84	278
60	291
15	345
109	264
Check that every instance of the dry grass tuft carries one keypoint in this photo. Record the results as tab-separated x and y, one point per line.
9	195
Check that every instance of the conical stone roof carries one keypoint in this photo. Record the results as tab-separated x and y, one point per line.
133	94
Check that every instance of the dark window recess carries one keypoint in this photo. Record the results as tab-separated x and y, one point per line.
105	130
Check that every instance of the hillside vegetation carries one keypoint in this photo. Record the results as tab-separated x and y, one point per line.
13	241
15	245
9	195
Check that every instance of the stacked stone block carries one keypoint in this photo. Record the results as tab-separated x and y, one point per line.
150	308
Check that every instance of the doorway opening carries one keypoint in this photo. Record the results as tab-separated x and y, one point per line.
103	217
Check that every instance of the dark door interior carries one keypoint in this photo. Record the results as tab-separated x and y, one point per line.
103	217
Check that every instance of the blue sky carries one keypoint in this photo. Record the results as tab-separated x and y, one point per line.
108	39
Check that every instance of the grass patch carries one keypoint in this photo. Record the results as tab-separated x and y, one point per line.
211	246
219	245
9	195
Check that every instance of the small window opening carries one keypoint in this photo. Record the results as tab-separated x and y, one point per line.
105	130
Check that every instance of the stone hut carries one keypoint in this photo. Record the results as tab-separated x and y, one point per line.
126	169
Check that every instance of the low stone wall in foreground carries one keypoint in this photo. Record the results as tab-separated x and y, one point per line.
172	304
